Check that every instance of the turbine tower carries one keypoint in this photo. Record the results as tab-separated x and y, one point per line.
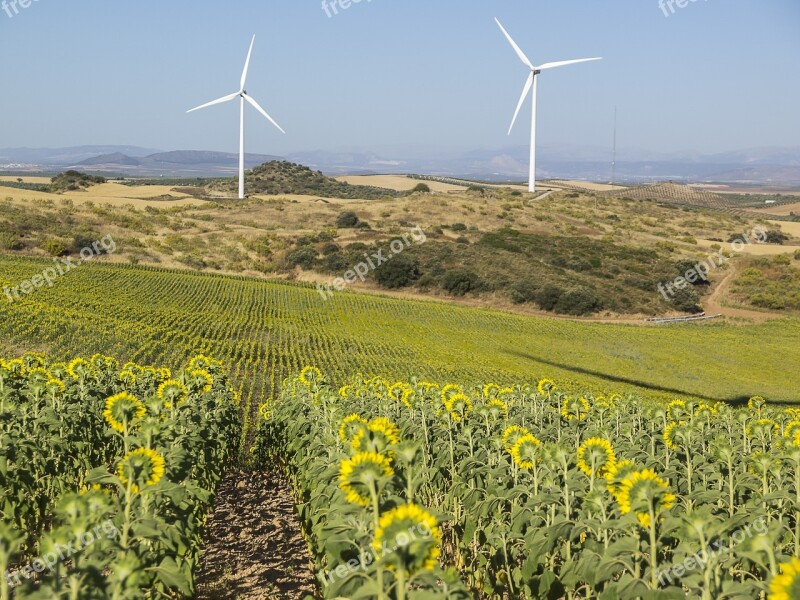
532	82
243	97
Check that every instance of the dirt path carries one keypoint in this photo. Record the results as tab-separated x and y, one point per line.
254	549
713	304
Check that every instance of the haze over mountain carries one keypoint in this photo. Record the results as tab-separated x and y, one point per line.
776	166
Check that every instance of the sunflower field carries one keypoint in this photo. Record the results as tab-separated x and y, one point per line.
107	473
414	490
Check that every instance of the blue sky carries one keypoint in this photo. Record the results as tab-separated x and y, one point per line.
716	75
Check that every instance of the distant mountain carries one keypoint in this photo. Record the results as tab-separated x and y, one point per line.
779	166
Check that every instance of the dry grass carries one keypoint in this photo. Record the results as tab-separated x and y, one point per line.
400	183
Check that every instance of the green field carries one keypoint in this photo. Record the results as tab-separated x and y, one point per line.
264	331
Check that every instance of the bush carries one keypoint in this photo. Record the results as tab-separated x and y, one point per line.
304	258
458	227
523	292
776	237
781	259
54	248
330	248
797	254
399	272
547	298
686	300
422	188
10	241
578	302
459	282
347	220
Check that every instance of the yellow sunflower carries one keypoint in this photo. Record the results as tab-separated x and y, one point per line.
497	407
644	492
358	474
122	409
55	387
172	392
546	386
78	368
575	408
142	467
676	410
451	389
350	427
756	403
524	451
380	435
617	473
674	433
596	457
310	376
408	538
490	390
404	393
459	406
511	435
786	586
761	428
791	430
200	381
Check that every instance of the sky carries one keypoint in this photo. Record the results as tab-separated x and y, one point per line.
424	75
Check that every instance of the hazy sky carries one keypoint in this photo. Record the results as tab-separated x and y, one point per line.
716	75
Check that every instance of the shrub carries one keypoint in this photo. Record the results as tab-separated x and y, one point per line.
686	300
458	227
523	292
459	282
304	258
399	272
422	188
10	241
347	220
330	248
797	254
547	298
54	248
776	237
578	302
781	259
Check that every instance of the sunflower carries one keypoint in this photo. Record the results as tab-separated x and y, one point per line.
141	467
791	430
310	376
497	407
172	392
357	474
546	386
786	586
524	451
344	391
617	473
451	389
127	377
58	371
379	435
673	433
762	463
676	410
756	403
200	381
408	538
511	435
596	457
121	409
404	393
55	387
350	427
459	406
761	428
38	375
576	408
78	368
491	390
202	362
265	411
644	492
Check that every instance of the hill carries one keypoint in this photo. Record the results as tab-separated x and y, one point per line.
280	177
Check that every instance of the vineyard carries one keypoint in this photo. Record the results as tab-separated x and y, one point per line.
107	473
413	490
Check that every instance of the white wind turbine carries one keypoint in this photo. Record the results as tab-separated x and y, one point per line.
243	97
532	82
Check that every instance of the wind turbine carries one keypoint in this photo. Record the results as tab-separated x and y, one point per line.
532	82
243	97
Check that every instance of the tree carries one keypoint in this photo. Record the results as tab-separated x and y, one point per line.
347	220
399	272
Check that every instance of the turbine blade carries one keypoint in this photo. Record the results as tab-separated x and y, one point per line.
517	49
564	63
263	112
247	64
213	102
525	91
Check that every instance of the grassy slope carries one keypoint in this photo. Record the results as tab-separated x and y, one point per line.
266	330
